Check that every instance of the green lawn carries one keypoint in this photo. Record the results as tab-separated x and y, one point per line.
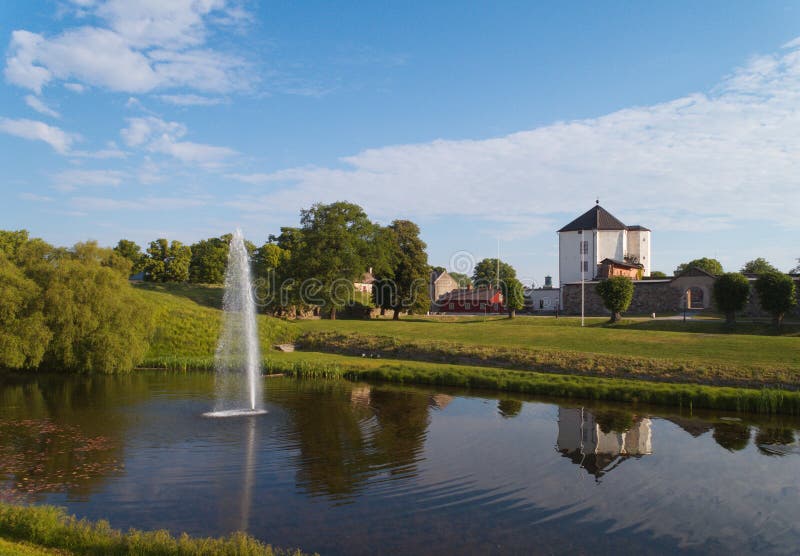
633	338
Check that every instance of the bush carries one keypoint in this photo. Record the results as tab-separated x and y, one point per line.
777	294
617	293
731	291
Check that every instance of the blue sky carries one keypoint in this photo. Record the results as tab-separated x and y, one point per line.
480	121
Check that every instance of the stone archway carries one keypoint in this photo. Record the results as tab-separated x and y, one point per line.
695	286
695	298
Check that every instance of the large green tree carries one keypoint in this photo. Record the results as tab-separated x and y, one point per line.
409	268
758	266
167	261
487	273
616	293
712	266
731	291
23	331
208	261
777	294
337	247
131	251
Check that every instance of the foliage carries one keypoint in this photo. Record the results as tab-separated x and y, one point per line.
208	260
776	292
337	247
758	266
731	292
796	270
617	293
462	279
131	251
409	268
52	527
712	266
658	275
167	261
23	332
486	274
68	309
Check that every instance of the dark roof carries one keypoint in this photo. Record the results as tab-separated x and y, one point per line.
638	228
622	263
473	295
596	218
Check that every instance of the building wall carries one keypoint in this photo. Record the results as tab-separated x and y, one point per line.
569	256
610	245
638	245
544	299
436	289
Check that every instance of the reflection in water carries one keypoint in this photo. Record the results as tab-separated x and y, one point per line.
344	468
598	445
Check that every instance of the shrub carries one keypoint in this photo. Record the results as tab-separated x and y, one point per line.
731	291
777	294
617	293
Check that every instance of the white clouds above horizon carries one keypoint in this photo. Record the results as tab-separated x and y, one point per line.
158	136
141	46
710	159
70	180
33	130
37	104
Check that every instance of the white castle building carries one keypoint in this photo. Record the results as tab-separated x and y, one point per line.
597	240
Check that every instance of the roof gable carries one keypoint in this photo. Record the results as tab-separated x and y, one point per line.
596	218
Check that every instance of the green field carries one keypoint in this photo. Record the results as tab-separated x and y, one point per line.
466	349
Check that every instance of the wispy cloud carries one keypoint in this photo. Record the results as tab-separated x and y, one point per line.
697	161
191	100
70	180
33	130
37	104
34	198
158	136
90	204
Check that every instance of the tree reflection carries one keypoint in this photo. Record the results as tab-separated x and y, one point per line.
350	434
509	408
731	435
767	437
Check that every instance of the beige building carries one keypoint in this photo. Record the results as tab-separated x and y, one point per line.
440	284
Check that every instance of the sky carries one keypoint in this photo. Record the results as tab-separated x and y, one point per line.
490	124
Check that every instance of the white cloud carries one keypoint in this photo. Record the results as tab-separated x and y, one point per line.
69	180
33	197
697	161
38	131
90	204
75	87
190	100
37	104
147	45
158	136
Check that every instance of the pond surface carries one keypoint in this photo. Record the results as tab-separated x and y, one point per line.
353	468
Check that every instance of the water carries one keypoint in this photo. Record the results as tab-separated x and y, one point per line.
237	357
356	468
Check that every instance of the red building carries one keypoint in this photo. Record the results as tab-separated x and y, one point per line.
479	300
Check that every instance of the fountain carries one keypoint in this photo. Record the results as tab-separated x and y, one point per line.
238	360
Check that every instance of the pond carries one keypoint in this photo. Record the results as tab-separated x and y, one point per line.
354	468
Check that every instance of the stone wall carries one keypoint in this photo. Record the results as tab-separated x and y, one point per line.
658	296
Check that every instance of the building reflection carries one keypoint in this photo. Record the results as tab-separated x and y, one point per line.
600	441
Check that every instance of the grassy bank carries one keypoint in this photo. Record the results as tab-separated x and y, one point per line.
660	362
34	530
548	360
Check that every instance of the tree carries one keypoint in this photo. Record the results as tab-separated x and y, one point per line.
208	261
617	293
776	292
658	275
731	291
167	262
462	279
758	266
23	331
796	270
336	249
409	268
131	251
712	266
486	273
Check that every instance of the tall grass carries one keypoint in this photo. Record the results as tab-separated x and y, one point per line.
690	396
52	527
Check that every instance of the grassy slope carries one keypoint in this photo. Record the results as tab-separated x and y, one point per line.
188	325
